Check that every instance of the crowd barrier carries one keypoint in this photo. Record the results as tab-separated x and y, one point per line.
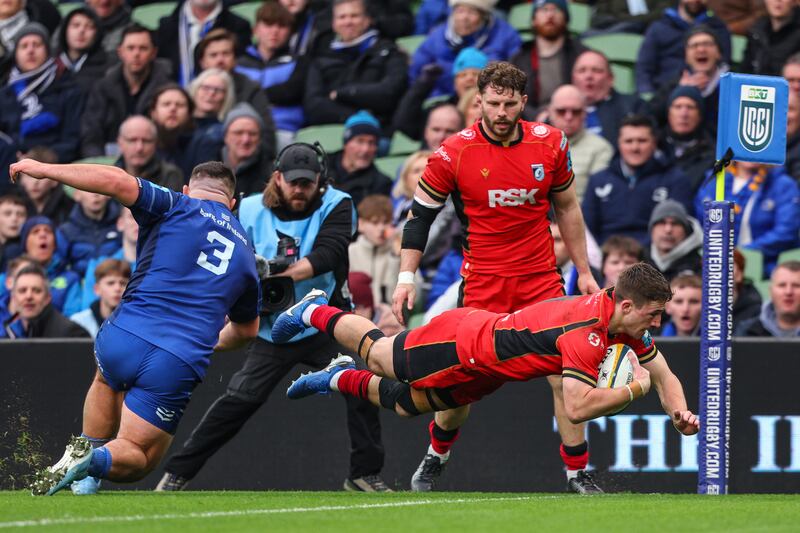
509	443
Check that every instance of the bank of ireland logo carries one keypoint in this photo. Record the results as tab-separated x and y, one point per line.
715	215
756	117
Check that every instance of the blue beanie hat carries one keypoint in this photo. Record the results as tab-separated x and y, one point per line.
688	91
361	123
30	224
560	4
469	57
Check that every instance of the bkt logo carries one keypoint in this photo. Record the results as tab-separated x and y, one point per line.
512	197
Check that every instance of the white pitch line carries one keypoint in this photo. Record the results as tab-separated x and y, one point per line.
250	512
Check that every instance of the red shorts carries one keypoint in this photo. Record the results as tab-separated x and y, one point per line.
501	294
426	358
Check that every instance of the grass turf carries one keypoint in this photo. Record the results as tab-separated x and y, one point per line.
441	512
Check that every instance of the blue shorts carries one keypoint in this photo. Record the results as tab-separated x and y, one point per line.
158	383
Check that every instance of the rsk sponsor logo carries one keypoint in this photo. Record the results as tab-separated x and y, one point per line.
512	197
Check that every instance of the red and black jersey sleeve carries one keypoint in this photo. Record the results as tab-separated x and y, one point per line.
562	170
582	350
439	178
644	347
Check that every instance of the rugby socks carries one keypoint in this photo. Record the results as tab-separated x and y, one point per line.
100	462
441	440
322	317
352	382
575	458
95	442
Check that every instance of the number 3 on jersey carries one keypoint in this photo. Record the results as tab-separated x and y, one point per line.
223	255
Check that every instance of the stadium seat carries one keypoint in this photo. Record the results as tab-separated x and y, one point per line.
738	45
433	100
618	47
66	9
402	144
328	135
148	15
519	16
410	43
390	165
754	264
624	79
762	286
789	255
247	11
580	16
99	160
415	320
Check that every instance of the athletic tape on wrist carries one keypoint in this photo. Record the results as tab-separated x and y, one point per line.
406	277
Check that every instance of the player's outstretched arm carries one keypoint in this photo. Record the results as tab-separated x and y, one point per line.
583	402
573	230
102	179
670	392
236	335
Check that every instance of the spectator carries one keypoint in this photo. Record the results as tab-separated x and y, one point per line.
272	66
704	66
404	187
112	277
125	90
746	298
661	54
676	240
38	237
129	229
792	163
590	152
621	198
773	38
430	14
45	197
80	48
37	317
360	285
564	264
412	110
40	105
443	121
738	15
243	150
470	23
7	309
619	252
355	69
217	50
213	95
12	19
115	16
605	107
548	59
685	141
91	229
470	107
353	168
767	214
791	72
613	16
137	141
8	155
372	252
684	308
780	316
306	28
180	32
12	216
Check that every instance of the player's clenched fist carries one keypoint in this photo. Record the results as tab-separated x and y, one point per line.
686	422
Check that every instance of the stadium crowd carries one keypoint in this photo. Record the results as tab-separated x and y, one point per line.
88	81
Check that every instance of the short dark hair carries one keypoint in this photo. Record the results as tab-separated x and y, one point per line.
502	75
111	267
622	245
642	283
135	27
218	171
36	270
792	265
272	12
12	199
215	35
639	121
42	154
169	87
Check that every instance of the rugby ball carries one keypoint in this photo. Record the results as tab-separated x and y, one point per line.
615	370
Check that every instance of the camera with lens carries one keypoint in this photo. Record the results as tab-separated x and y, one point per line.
277	292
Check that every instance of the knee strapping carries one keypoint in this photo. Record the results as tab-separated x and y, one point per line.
366	342
393	393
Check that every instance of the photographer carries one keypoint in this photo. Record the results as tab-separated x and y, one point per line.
296	217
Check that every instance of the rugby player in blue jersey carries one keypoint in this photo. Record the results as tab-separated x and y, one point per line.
195	266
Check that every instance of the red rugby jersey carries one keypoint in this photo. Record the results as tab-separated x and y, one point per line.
567	336
501	194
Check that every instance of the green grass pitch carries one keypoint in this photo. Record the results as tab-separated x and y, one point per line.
441	512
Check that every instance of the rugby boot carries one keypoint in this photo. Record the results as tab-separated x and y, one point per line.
319	382
290	322
73	466
428	472
583	483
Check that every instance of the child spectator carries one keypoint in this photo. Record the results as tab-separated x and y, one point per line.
45	197
372	251
684	308
112	277
619	252
91	229
12	216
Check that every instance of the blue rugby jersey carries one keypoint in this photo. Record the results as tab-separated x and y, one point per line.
195	264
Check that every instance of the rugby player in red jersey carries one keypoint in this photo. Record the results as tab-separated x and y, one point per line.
467	353
503	175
